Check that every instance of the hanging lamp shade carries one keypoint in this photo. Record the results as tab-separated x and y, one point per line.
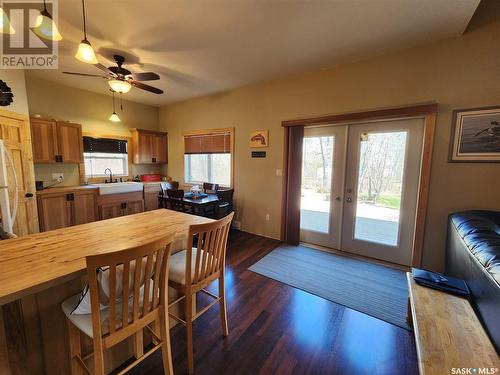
5	25
119	85
86	53
45	27
114	117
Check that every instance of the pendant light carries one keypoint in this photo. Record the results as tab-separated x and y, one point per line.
45	27
5	26
85	51
114	117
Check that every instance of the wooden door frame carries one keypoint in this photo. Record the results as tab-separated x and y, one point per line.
427	111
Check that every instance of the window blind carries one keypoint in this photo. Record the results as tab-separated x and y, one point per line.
210	143
104	145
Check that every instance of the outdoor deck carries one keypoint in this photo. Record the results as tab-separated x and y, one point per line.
367	229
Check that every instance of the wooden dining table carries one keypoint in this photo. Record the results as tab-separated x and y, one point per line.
198	205
39	271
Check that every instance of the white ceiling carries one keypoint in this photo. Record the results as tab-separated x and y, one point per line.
201	47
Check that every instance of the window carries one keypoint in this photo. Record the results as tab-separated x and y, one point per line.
102	153
208	158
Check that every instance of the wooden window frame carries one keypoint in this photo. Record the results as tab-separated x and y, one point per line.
204	132
129	157
426	111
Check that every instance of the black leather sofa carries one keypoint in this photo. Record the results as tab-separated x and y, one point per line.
473	254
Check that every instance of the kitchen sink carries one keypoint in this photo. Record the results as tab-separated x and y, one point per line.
119	187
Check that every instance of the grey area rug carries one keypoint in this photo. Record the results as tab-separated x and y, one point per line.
370	288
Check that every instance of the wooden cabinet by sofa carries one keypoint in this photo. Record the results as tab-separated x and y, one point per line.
151	192
64	207
56	141
149	147
115	205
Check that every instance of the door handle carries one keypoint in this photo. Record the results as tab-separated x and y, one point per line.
348	199
338	198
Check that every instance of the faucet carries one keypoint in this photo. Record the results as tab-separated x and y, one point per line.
110	175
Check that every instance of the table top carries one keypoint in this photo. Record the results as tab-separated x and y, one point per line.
448	333
209	199
36	262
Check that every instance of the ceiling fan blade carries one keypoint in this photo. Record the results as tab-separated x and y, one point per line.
85	75
143	86
102	67
146	76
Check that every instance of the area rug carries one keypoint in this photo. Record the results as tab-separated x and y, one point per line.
370	288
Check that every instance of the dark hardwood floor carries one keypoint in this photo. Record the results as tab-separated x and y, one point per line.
277	329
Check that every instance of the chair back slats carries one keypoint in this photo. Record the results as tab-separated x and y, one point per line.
138	272
137	286
147	283
210	250
125	293
112	298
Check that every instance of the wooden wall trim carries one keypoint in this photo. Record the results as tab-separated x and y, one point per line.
427	111
371	115
423	189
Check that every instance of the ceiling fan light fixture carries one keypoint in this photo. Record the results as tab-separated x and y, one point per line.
86	53
5	25
114	117
45	27
119	85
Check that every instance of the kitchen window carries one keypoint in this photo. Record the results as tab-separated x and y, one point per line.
102	153
208	157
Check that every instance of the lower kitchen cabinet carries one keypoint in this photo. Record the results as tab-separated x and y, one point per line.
151	192
115	205
60	208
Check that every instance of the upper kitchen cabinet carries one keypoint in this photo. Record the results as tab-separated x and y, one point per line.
149	147
56	141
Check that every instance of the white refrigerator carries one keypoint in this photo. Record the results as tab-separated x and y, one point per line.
8	214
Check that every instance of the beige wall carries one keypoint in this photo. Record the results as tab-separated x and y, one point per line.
458	73
51	100
16	81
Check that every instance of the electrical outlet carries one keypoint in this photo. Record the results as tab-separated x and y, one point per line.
236	224
268	217
279	172
58	175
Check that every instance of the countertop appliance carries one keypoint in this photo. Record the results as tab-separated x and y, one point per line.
8	216
150	177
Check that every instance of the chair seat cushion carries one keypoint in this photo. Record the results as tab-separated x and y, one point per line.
84	321
178	265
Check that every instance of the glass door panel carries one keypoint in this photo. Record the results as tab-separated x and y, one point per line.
323	163
380	182
317	166
382	172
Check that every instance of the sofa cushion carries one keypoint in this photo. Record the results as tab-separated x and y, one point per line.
480	231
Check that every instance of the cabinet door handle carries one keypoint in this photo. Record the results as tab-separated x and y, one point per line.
28	195
154	160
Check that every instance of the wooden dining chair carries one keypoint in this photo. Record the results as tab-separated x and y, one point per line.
175	200
225	204
193	269
131	307
209	188
164	186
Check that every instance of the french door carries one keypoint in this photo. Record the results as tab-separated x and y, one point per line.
359	187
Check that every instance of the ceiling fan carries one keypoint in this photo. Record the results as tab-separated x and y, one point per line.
121	80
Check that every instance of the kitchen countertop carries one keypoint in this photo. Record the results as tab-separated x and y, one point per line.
39	261
65	189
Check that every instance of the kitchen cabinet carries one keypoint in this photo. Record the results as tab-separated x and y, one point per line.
149	147
56	141
115	205
63	207
151	192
